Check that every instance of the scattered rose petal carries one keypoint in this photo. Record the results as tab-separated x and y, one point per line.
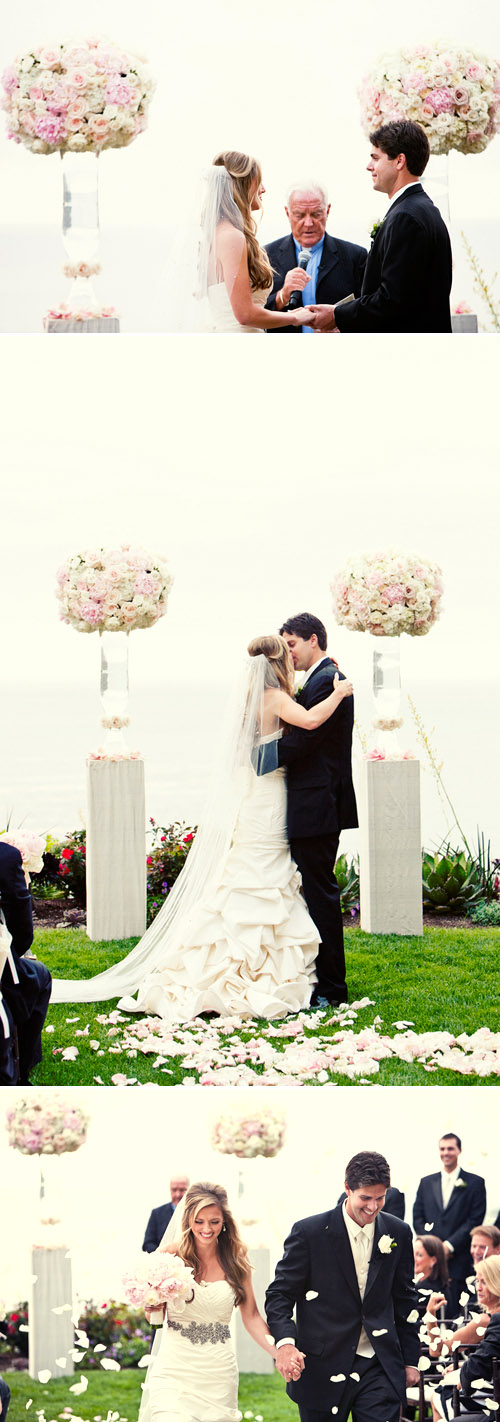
413	1316
44	1375
423	1364
338	1377
428	1227
81	1386
377	1332
311	1294
110	1364
355	1376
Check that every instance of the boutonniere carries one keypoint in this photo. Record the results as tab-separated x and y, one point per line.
460	1184
386	1243
298	691
376	228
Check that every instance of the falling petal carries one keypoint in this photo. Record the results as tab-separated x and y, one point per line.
24	1328
338	1377
377	1332
81	1386
464	1298
311	1294
69	1020
29	1402
413	1316
110	1364
44	1375
334	1410
480	1332
423	1364
355	1376
61	1362
100	1348
428	1227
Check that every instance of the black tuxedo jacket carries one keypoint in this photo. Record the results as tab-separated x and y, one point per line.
340	271
466	1209
15	900
320	792
407	279
479	1363
394	1202
156	1226
318	1256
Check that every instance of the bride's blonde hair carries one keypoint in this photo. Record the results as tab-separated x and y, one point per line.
232	1251
246	174
276	650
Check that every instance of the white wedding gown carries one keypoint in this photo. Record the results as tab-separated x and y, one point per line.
222	315
249	949
194	1377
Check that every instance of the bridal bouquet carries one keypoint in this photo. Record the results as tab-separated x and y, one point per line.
158	1279
387	594
113	590
37	1126
78	97
31	848
250	1132
452	92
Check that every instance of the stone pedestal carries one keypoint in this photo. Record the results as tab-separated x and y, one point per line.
251	1358
51	1335
116	849
96	326
465	324
390	847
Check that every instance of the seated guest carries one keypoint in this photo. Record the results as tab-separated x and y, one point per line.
484	1241
335	268
479	1364
26	985
431	1269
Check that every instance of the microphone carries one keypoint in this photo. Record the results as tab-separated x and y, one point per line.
296	296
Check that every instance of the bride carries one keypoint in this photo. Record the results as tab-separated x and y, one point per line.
235	273
194	1373
234	935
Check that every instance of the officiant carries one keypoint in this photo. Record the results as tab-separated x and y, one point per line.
333	269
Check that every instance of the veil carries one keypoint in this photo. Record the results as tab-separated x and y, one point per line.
249	732
192	262
172	1234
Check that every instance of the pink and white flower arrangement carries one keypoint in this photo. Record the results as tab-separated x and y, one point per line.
387	594
249	1133
41	1126
31	848
113	589
158	1279
78	97
64	312
452	92
112	755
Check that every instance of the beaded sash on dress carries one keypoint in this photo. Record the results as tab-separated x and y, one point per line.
203	1332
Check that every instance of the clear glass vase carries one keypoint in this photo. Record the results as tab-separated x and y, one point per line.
436	181
114	688
80	226
387	717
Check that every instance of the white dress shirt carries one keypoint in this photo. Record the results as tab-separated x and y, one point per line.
312	669
361	1242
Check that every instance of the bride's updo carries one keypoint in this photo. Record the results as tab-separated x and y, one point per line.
246	174
232	1251
278	655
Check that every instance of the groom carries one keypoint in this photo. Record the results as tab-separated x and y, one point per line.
407	276
321	799
349	1272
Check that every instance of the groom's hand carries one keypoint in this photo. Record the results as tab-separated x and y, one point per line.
290	1362
412	1377
322	318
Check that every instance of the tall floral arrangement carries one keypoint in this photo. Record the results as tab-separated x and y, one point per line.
450	90
113	590
247	1133
41	1126
388	594
76	97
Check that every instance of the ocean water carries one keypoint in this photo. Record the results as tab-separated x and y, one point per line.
47	733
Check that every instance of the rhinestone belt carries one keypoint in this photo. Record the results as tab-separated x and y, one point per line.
203	1332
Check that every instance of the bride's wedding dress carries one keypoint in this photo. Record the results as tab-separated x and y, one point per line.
249	948
194	1376
222	315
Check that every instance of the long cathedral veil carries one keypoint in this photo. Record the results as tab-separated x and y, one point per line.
192	259
248	722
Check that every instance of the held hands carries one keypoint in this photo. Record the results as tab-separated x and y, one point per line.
300	317
290	1362
322	318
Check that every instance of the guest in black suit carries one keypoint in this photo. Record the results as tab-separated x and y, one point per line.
479	1363
407	277
320	797
4	1399
335	268
162	1215
28	998
453	1201
394	1202
349	1272
9	1064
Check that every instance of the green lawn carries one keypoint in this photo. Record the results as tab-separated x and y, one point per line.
446	981
262	1395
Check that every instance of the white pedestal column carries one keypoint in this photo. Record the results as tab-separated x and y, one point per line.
251	1358
51	1334
116	849
464	324
390	847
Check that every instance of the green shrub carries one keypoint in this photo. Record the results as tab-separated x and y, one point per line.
167	856
450	882
485	913
14	1341
347	876
123	1331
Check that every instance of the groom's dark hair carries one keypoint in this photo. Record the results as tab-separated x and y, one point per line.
305	625
402	136
367	1168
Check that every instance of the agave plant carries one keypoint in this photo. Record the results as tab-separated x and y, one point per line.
450	882
347	876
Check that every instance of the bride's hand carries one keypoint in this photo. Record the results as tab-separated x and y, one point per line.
344	688
300	317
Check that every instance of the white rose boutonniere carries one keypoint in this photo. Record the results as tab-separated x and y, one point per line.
460	1184
386	1243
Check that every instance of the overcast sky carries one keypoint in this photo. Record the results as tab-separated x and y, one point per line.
138	1138
276	80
